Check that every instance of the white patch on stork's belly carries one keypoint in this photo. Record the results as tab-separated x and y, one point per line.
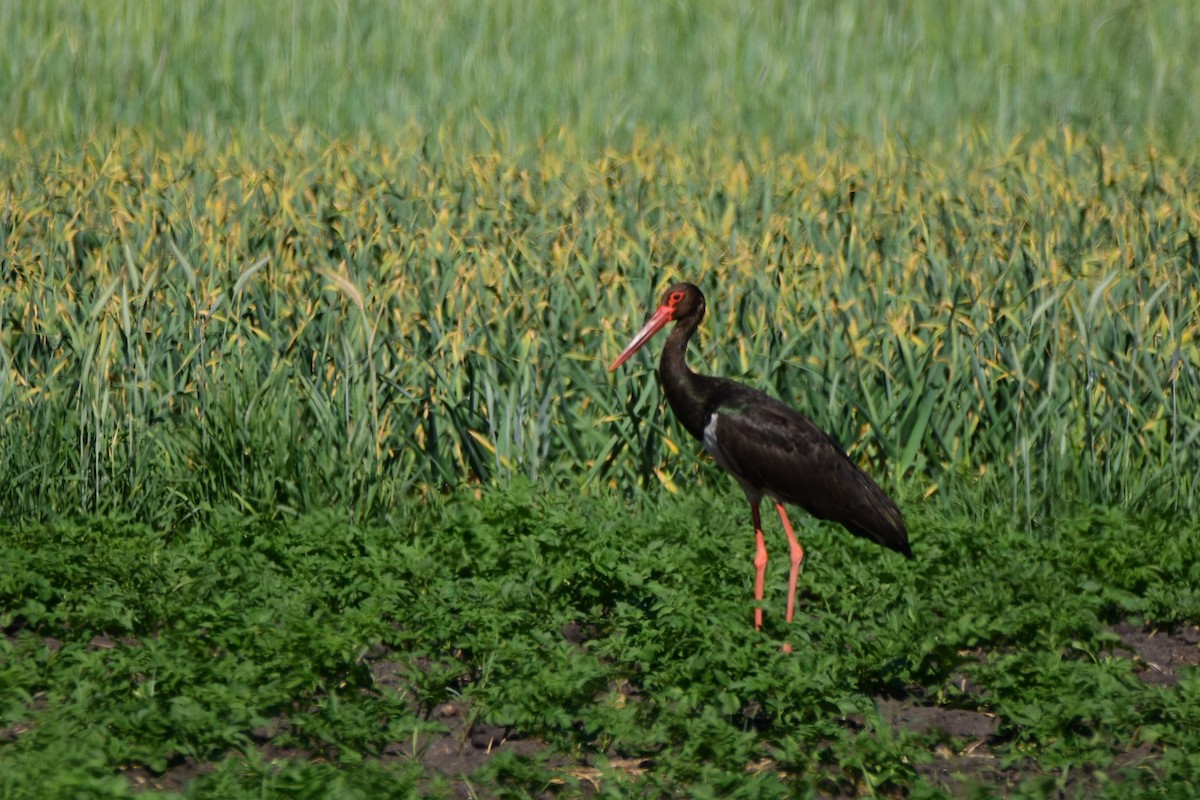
710	440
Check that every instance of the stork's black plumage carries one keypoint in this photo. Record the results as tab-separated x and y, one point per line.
771	449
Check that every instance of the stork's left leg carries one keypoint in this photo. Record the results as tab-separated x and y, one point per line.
797	555
760	561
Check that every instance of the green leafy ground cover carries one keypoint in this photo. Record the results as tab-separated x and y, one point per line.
531	643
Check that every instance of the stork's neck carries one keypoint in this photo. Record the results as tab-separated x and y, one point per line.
687	392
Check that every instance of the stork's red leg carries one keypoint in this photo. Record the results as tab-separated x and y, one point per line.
797	555
760	563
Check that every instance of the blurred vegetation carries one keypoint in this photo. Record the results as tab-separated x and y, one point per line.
509	74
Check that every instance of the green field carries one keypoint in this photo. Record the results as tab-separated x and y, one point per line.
313	482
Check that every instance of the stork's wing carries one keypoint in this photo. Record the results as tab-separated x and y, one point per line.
778	451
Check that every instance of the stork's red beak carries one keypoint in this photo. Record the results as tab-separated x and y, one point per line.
653	325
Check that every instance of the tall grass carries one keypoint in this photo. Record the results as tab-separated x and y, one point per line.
511	73
302	324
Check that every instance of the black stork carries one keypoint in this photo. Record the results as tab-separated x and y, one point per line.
771	449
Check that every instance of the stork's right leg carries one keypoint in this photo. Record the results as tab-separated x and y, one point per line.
797	556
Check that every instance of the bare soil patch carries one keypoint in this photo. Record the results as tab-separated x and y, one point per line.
1160	654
